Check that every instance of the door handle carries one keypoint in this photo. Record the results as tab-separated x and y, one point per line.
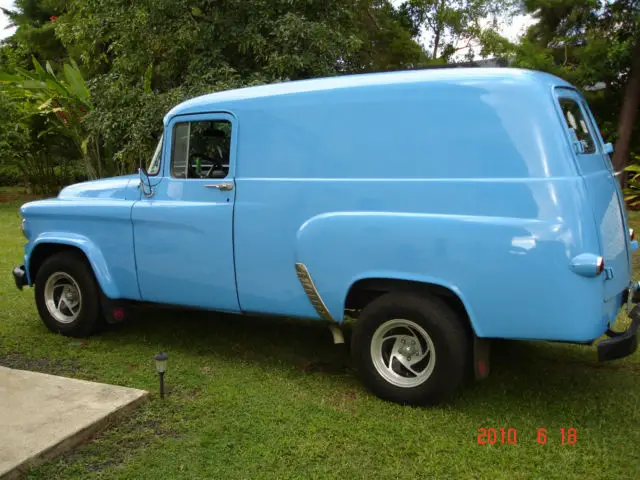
221	186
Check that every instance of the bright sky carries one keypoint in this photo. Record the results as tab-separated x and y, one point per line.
511	31
4	21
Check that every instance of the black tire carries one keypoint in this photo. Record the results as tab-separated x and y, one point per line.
447	332
89	319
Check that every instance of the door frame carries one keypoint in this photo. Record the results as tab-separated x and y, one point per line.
167	146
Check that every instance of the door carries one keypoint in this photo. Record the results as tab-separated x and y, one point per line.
183	230
602	187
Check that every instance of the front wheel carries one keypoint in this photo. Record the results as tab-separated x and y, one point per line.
67	295
410	349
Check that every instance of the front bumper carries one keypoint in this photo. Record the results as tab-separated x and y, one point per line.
20	276
621	344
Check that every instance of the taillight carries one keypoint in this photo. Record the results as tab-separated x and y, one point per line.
632	234
588	264
600	265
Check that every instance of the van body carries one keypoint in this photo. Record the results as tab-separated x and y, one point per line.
468	203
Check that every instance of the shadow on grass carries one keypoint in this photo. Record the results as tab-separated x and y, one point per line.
540	373
304	344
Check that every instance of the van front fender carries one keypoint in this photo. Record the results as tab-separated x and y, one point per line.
91	251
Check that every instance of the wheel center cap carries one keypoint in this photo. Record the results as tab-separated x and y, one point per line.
407	350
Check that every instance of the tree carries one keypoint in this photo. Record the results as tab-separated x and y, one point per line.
185	48
629	111
141	59
453	25
35	36
62	103
591	42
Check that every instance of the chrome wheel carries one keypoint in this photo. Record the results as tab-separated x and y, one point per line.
403	353
62	297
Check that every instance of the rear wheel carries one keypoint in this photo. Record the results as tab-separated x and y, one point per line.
67	295
410	349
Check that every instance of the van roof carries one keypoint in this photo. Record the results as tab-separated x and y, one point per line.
454	75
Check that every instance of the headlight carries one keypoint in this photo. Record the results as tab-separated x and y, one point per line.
22	227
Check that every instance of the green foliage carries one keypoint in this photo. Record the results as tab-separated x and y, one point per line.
36	35
139	59
632	187
586	42
15	144
10	175
454	25
64	101
144	60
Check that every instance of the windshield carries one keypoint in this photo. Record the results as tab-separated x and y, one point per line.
154	166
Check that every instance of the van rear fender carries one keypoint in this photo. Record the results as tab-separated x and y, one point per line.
495	266
373	284
345	249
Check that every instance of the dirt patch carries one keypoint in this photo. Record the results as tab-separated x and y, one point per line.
41	365
18	197
344	401
9	198
631	367
110	448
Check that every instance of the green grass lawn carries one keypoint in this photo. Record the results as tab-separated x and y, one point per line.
262	398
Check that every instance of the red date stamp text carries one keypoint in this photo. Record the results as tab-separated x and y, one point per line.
509	436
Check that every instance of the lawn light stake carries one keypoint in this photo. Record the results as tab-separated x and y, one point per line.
161	367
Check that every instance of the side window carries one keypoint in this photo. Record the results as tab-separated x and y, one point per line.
201	149
578	124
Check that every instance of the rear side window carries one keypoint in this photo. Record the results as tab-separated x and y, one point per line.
577	124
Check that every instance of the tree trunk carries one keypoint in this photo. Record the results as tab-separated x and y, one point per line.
438	30
628	112
436	43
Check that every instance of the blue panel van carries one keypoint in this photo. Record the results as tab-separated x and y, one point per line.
439	208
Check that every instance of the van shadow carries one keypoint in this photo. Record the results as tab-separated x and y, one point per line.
539	375
306	345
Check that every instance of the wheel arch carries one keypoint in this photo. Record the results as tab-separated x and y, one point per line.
365	289
45	247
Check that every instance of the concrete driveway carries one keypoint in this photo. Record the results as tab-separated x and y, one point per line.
42	416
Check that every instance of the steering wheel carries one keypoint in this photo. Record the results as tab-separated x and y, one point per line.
215	164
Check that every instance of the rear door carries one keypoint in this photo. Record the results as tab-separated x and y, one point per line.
602	187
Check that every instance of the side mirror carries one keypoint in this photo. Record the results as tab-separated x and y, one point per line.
144	176
608	148
145	183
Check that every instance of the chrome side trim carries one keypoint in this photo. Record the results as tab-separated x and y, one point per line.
312	292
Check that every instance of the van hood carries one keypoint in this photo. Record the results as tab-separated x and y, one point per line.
115	188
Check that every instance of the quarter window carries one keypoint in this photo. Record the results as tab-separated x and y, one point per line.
577	124
201	149
154	166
